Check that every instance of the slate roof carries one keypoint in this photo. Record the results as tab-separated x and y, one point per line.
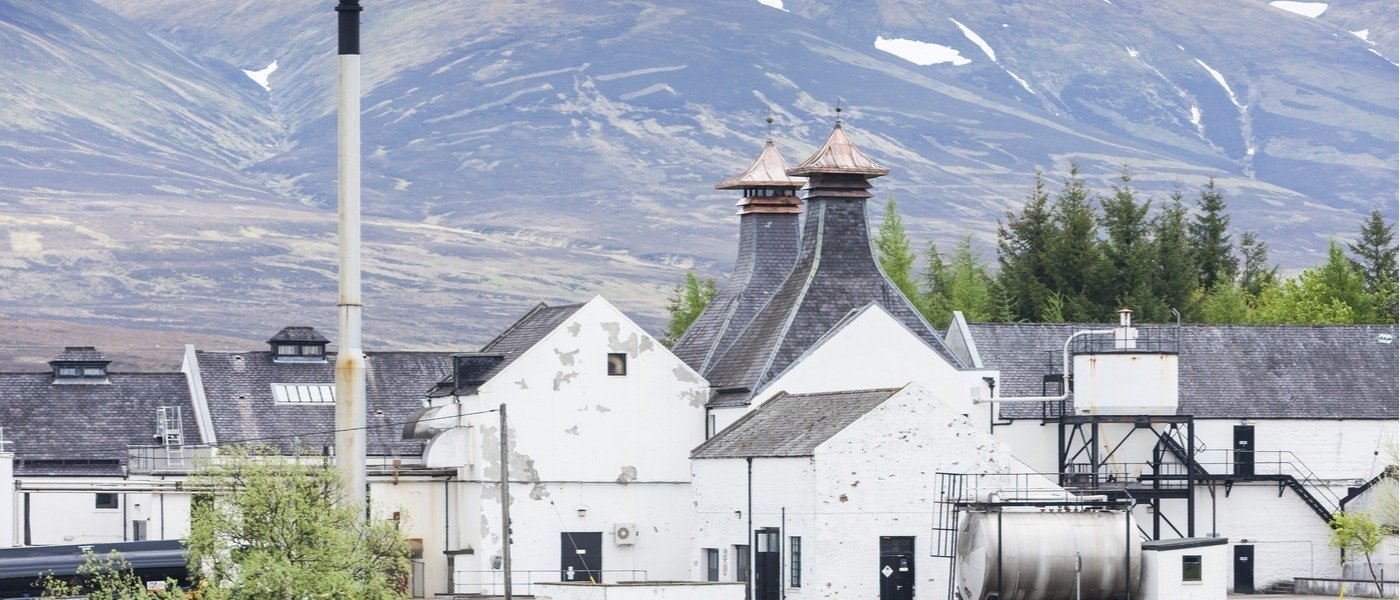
768	246
516	339
238	390
791	425
1231	371
835	273
299	333
80	354
838	156
84	428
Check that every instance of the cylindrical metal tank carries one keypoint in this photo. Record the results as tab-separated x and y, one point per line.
1036	552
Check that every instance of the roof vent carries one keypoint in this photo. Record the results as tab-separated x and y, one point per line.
298	343
80	364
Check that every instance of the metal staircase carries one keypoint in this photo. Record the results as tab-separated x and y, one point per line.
1323	502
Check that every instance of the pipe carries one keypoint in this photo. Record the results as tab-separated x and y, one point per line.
350	361
751	580
505	502
1065	388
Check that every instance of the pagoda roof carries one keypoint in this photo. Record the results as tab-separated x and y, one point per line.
838	156
770	170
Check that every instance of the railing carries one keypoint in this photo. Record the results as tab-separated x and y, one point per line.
1155	338
1123	475
1270	463
492	582
154	459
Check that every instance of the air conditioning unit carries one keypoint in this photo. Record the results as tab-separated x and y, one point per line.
625	534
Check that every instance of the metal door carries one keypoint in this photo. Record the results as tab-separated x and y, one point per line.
1244	450
896	568
581	556
768	565
741	568
1244	569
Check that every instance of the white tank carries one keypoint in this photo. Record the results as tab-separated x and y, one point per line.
1038	555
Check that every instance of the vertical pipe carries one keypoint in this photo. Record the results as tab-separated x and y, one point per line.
350	362
1128	552
1190	477
751	579
1001	591
783	539
505	501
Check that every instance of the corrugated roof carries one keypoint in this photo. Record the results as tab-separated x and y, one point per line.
1230	371
838	156
86	422
238	390
792	425
516	339
769	170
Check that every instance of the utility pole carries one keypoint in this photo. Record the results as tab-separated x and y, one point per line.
350	361
505	500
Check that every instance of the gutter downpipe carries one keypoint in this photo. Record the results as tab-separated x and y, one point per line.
350	360
752	578
1066	389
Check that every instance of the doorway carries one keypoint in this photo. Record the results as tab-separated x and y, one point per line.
1244	569
896	568
768	564
581	556
1244	450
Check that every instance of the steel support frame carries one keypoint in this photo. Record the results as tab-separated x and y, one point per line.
1079	435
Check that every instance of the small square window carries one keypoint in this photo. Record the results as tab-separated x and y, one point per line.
94	372
1191	568
287	350
312	350
617	364
69	371
106	500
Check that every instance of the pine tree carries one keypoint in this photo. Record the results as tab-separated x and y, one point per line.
1128	254
1374	255
1174	278
1022	243
894	253
687	301
935	280
963	284
1210	238
1257	273
1338	280
1073	257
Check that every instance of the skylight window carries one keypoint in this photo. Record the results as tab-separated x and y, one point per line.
303	393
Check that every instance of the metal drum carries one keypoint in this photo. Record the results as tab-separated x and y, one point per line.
1037	551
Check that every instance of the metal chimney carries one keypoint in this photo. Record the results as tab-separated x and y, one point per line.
350	363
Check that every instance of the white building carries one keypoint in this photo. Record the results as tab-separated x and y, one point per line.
840	490
601	422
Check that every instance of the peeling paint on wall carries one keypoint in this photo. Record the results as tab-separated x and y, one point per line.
566	358
629	474
538	493
602	409
574	328
562	378
685	375
634	344
572	430
522	384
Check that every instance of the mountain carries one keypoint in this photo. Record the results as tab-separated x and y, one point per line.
550	150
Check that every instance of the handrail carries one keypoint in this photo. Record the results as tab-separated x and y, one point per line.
522	581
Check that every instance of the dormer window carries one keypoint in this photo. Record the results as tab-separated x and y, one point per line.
298	344
80	364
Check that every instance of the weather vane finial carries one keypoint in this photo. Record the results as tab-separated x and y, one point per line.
838	111
769	121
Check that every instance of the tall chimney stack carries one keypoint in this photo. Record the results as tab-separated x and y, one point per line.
350	363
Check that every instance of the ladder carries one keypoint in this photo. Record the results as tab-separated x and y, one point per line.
170	430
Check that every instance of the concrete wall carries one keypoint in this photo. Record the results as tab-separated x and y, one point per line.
1161	574
875	478
421	506
656	591
71	517
616	446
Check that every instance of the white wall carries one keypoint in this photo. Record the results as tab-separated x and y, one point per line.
875	478
1161	574
618	446
421	505
71	517
660	591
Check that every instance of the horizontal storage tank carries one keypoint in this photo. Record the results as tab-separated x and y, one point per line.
1037	550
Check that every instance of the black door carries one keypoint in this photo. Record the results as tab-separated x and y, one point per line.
768	565
1244	450
741	567
581	556
896	568
1244	569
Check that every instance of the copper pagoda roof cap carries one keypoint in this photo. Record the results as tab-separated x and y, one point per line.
838	156
770	170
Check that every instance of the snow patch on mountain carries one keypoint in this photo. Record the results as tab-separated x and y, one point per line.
1310	10
778	4
260	76
1364	34
920	53
976	39
1131	52
1220	79
1020	81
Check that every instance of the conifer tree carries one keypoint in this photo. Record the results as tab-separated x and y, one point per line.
1128	254
894	253
1174	278
1227	304
1374	255
1338	280
963	284
1210	238
934	281
687	301
1256	273
1073	257
1022	243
